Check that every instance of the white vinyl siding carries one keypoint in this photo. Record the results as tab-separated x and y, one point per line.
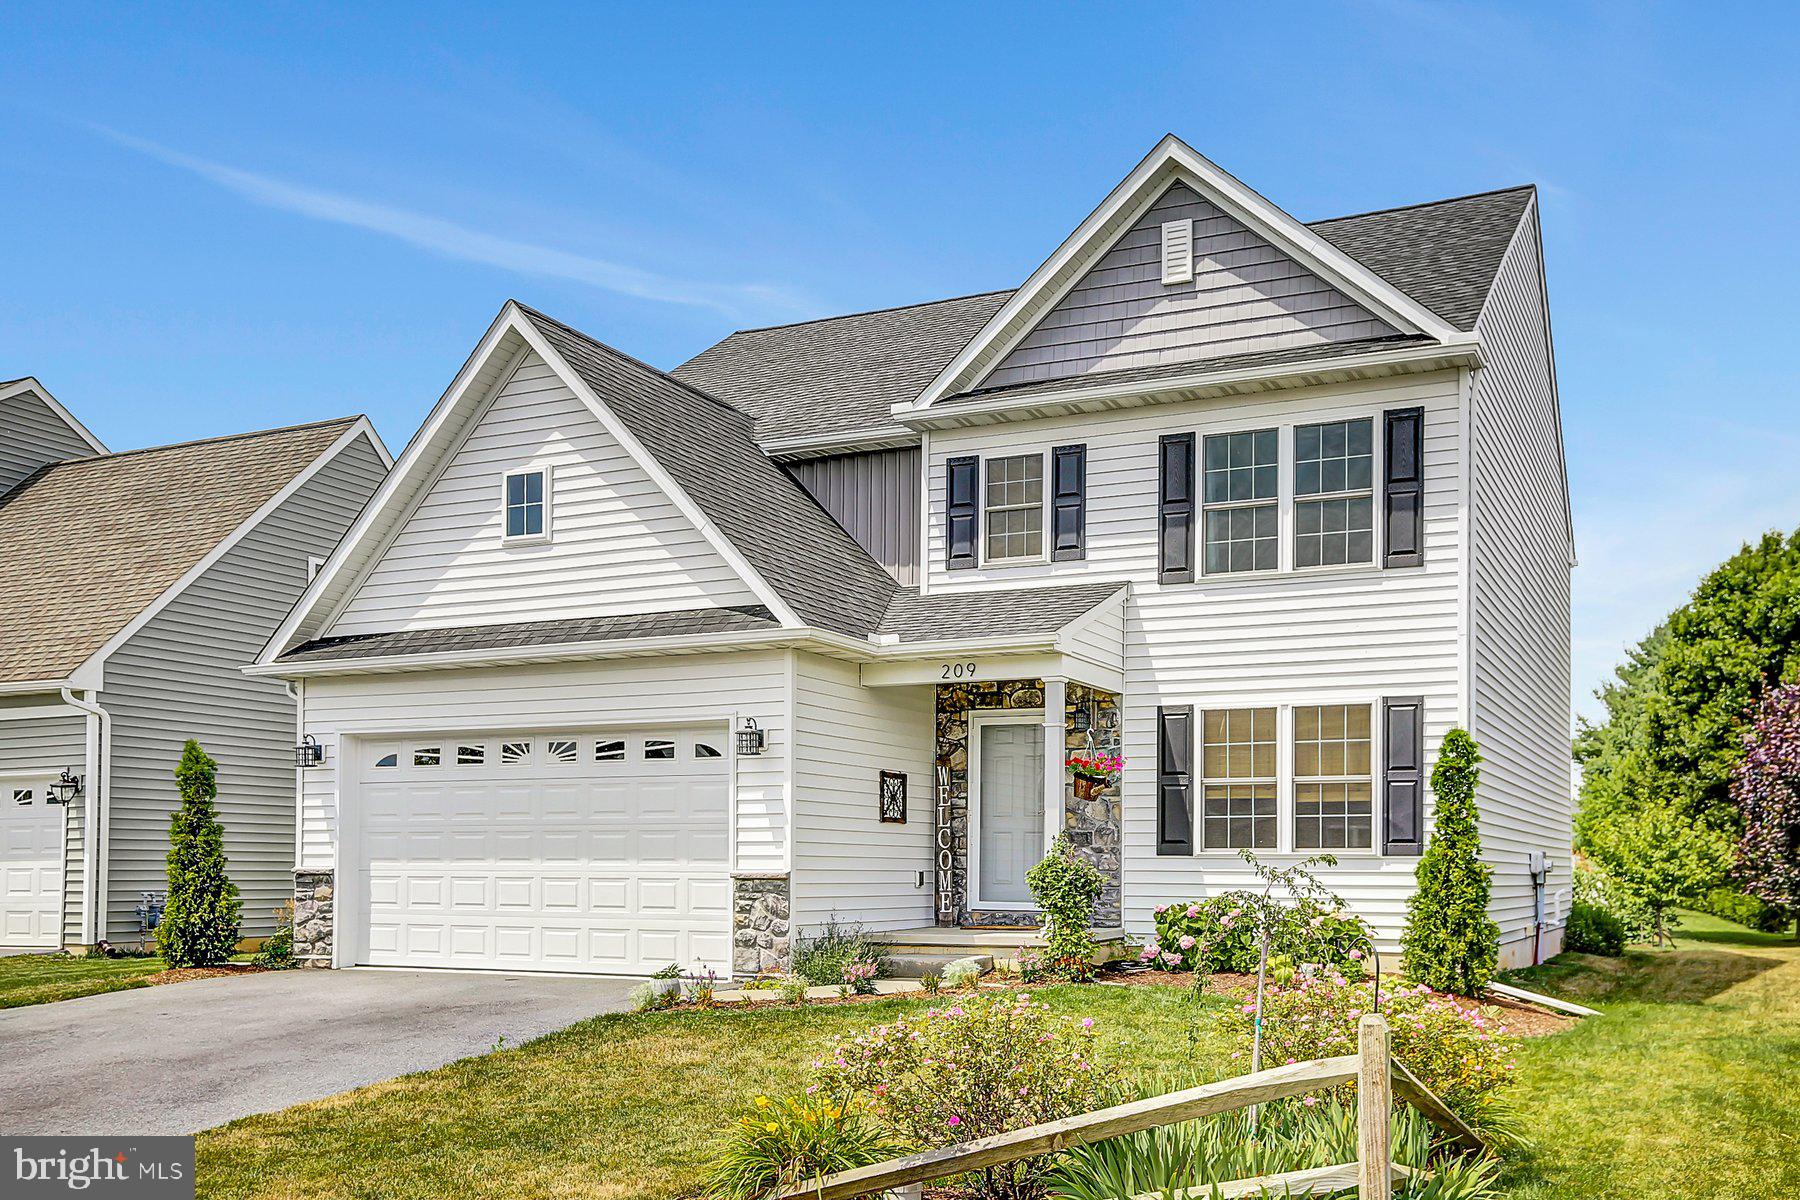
666	690
847	862
1242	295
620	545
1520	613
1346	635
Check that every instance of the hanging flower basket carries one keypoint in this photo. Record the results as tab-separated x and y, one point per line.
1093	775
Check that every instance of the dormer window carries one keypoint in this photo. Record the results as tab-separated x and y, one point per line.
526	500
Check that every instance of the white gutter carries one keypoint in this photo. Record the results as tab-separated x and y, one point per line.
34	685
96	810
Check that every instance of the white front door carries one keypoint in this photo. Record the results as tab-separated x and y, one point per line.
599	851
1006	787
31	865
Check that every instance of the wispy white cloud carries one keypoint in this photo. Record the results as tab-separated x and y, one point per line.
452	240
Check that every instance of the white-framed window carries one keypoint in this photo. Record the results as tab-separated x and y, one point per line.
560	752
1334	781
525	505
471	755
1238	779
1241	499
706	750
1334	493
1012	508
427	756
658	748
609	750
513	754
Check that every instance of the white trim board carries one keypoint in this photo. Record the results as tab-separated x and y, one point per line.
29	384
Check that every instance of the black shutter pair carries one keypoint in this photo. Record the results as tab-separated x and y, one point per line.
1402	780
1068	508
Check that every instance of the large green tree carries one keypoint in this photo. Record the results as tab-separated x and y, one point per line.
1681	704
199	925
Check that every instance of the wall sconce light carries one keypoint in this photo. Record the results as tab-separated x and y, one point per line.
750	737
309	753
65	789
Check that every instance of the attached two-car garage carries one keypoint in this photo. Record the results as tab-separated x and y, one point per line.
602	851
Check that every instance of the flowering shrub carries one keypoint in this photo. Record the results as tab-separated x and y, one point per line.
1462	1056
860	978
961	1073
1101	768
1219	934
780	1143
1066	886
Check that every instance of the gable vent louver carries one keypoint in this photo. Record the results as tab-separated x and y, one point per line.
1178	252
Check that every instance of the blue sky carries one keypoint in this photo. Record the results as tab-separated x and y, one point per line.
231	218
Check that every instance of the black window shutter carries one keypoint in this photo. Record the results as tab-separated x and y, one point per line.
1175	780
1402	775
1175	509
1403	494
963	482
1068	503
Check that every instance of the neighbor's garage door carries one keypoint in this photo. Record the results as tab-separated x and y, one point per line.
31	859
605	852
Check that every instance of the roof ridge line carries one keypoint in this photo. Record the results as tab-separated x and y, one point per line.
729	407
208	441
870	312
1376	212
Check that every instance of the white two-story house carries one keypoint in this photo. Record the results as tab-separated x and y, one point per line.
623	667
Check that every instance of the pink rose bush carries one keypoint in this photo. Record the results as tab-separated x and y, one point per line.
1462	1056
1220	934
961	1073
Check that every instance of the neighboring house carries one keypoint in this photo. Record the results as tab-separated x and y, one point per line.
134	588
1266	506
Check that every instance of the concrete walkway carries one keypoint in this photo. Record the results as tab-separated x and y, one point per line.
183	1057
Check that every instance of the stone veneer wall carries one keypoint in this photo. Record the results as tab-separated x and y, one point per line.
313	917
761	941
1092	826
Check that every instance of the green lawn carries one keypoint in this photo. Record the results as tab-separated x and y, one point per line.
41	978
1680	1090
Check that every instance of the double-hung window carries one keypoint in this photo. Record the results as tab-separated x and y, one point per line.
1333	782
1240	498
1013	507
525	499
1238	779
1334	493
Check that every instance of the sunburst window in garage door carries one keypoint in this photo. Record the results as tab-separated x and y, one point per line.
615	860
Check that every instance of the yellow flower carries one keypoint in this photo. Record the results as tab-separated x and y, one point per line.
762	1102
771	1127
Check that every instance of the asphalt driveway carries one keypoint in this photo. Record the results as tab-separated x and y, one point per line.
187	1056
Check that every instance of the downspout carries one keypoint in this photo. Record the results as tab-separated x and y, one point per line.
97	809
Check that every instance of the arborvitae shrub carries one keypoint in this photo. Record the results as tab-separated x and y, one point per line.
1450	943
200	920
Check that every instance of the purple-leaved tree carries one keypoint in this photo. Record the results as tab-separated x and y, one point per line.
1765	786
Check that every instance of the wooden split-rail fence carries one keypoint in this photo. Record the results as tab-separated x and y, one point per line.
1380	1078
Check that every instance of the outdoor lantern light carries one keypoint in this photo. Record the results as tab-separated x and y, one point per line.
750	739
64	789
309	753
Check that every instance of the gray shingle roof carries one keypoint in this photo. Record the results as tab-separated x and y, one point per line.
89	543
708	448
1015	612
841	375
574	630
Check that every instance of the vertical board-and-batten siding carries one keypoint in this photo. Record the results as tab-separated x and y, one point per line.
658	690
1521	596
847	862
875	497
1331	636
618	544
44	746
181	677
1245	295
32	435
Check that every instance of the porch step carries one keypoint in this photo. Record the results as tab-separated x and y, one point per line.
910	965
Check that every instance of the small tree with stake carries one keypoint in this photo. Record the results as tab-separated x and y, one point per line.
1450	942
200	919
1765	786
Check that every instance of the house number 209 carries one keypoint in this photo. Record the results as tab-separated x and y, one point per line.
961	670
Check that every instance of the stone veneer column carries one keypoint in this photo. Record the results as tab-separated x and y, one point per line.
1094	826
314	917
760	923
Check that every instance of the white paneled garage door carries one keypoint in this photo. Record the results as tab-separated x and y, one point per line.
559	851
31	862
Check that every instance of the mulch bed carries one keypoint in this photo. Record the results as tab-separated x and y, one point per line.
183	974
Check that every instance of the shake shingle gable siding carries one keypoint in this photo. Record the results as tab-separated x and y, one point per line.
840	376
90	543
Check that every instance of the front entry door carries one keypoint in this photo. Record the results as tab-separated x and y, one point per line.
1008	787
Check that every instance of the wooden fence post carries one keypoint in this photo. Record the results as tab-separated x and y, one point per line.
1374	1110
